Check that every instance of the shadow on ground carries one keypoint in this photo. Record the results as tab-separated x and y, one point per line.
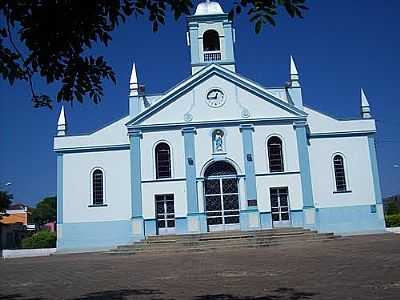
278	294
119	294
17	297
103	295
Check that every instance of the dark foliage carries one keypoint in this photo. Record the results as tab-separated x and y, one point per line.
5	200
392	208
51	39
392	220
45	211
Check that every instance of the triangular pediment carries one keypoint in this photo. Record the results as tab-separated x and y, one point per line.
189	101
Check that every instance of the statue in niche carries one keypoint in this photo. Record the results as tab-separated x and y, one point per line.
218	141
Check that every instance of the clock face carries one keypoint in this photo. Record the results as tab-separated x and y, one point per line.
215	98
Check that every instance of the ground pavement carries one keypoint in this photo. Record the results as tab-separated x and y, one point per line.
360	267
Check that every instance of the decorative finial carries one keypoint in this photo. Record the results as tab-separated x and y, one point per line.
62	123
365	108
294	74
133	83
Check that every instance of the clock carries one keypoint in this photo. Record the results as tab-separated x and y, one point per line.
215	97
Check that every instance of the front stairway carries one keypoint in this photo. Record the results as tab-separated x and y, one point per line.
227	240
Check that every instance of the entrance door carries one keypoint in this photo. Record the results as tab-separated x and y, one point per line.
222	197
280	207
165	214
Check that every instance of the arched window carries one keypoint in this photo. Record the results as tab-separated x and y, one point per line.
275	154
340	176
219	168
98	187
211	41
163	161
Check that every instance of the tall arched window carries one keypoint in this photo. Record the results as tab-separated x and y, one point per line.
211	41
98	187
275	154
163	161
340	176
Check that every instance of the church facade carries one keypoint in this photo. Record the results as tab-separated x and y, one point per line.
216	152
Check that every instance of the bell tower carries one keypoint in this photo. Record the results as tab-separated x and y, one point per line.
210	37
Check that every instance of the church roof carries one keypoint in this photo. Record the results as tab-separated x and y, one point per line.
208	8
206	72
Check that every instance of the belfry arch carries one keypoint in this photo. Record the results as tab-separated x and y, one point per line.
211	41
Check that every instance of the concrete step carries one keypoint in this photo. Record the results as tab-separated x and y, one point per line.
205	239
229	235
226	233
224	243
216	241
167	250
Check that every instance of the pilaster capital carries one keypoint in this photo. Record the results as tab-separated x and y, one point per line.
189	130
193	25
300	123
227	23
244	127
135	133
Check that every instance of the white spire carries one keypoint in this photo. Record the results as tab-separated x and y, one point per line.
133	83
293	68
364	100
62	123
365	109
294	74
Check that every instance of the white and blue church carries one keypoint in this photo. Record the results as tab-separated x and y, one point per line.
216	152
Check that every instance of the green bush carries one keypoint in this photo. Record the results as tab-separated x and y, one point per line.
392	220
392	208
41	239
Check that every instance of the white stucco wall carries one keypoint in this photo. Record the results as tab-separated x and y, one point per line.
149	141
289	147
112	134
77	186
358	171
291	181
322	123
233	148
149	190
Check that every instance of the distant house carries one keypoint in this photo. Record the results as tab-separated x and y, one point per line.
50	226
14	226
17	214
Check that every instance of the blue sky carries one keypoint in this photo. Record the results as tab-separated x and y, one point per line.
338	49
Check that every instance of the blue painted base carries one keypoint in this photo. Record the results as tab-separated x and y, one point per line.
249	220
197	223
266	220
310	218
351	219
150	227
181	225
89	236
297	218
94	235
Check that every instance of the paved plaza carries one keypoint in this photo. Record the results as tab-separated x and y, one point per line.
359	267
